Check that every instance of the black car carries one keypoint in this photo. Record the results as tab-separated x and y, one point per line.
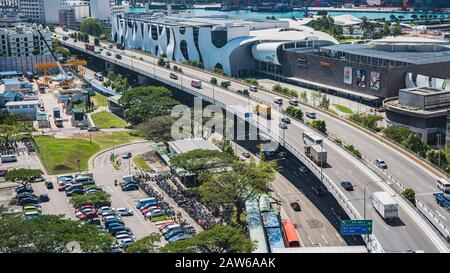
295	206
28	201
347	185
44	198
286	120
22	189
93	129
49	185
75	192
25	195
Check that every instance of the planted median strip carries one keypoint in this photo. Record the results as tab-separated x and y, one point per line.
60	155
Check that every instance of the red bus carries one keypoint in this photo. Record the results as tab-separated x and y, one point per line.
291	238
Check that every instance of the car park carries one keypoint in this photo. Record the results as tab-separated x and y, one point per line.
129	233
22	189
86	206
124	212
347	185
113	229
49	185
154	213
83	211
311	115
168	228
295	206
104	209
381	163
145	202
25	195
148	209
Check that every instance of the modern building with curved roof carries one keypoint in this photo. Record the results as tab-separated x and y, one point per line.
235	46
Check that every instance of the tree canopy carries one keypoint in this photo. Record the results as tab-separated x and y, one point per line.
201	160
148	244
91	26
157	129
98	199
219	239
243	182
23	175
144	103
49	234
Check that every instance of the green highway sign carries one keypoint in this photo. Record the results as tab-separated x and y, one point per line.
356	227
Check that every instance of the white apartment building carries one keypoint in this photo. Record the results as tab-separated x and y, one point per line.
104	10
41	11
23	41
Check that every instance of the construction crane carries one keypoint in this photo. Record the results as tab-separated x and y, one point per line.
79	64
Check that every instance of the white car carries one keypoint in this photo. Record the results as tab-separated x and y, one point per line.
123	237
105	209
125	243
124	212
111	217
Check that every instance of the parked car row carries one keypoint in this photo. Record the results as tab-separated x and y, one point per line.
112	221
29	201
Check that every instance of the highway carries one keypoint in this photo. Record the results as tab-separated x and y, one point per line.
408	234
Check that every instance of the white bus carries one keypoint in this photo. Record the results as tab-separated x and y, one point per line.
443	185
98	76
312	139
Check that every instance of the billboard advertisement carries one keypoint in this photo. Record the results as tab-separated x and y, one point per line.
375	81
348	75
361	78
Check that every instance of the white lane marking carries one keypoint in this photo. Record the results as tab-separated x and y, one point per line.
339	237
440	215
323	237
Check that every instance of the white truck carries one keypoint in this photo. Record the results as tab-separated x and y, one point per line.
385	205
317	154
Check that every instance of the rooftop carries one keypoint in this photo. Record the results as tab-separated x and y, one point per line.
23	102
188	145
425	91
412	57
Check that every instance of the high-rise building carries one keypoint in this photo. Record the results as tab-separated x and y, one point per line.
71	12
23	41
41	11
104	10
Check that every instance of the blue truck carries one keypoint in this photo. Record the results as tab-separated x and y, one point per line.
443	200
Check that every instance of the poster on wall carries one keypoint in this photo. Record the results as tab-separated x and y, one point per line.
361	78
348	75
375	81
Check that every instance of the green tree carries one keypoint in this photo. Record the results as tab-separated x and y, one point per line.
325	102
225	84
143	103
415	143
219	239
410	195
97	199
319	125
7	131
213	80
91	26
369	121
198	161
23	175
243	182
158	129
148	244
96	41
48	234
437	157
396	29
397	133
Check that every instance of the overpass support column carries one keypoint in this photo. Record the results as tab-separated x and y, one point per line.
110	66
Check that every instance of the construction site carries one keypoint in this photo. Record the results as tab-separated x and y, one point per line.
55	96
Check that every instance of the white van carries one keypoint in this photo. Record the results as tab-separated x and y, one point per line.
443	185
253	88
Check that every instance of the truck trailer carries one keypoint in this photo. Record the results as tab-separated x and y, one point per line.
317	154
385	205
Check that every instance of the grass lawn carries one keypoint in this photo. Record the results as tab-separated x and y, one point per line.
343	109
143	165
105	119
60	155
99	100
